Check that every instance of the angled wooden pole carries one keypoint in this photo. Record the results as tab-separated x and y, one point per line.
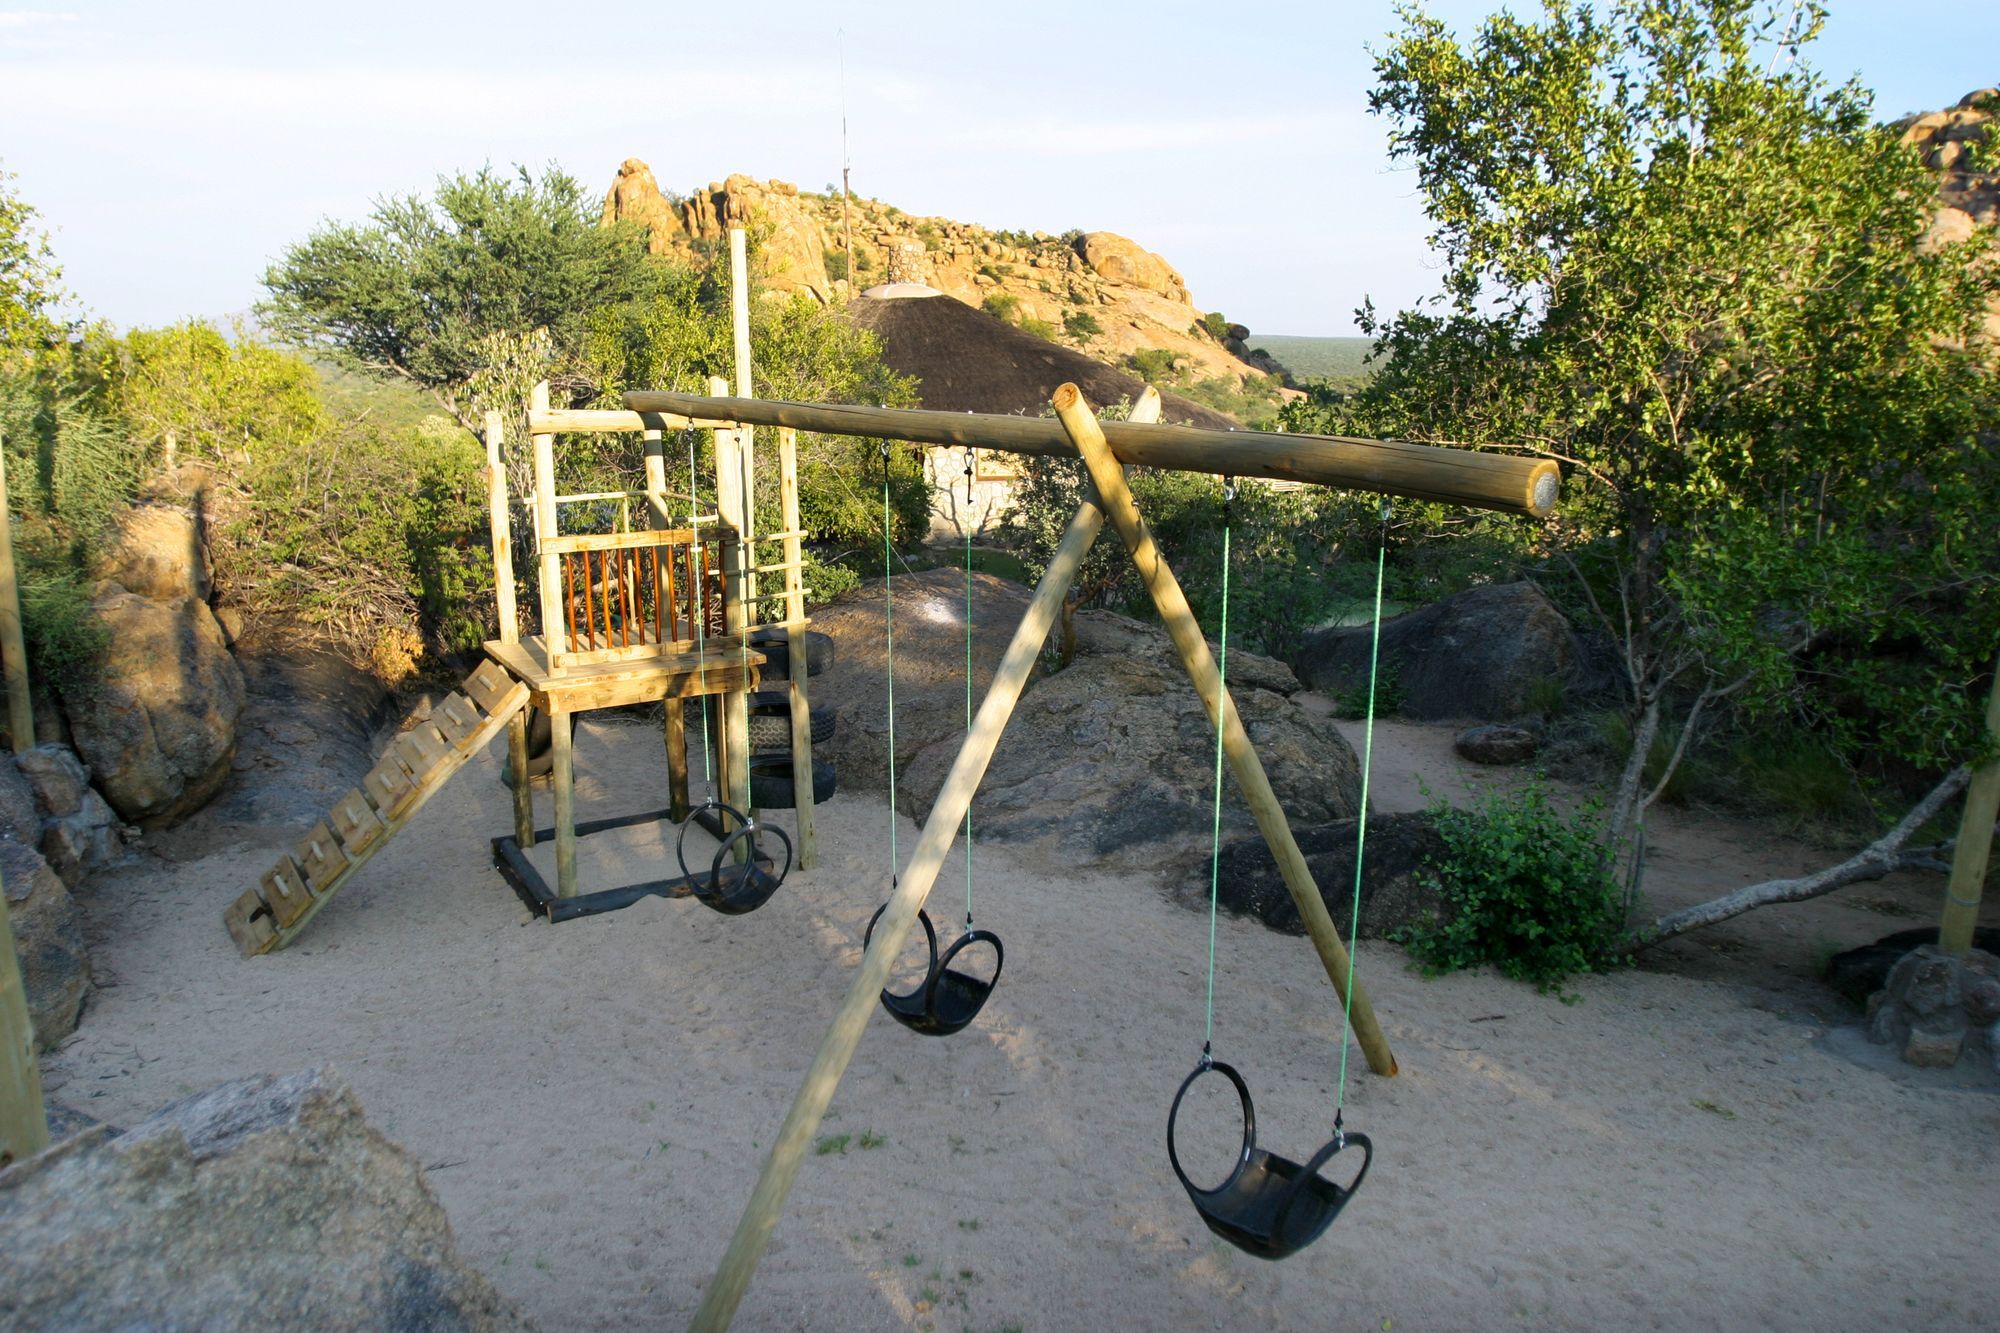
767	1200
24	1124
13	644
1108	475
1975	843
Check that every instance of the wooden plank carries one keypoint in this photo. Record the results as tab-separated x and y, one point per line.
1975	842
545	524
456	718
722	680
598	421
24	1123
562	783
507	710
622	541
781	1168
423	748
528	662
320	857
285	891
1393	467
490	683
249	923
388	784
1108	478
357	824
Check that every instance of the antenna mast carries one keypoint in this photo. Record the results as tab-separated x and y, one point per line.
846	230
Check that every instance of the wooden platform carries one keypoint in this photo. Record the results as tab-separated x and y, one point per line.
576	689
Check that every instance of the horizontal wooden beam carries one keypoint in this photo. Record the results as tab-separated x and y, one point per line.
1390	467
597	421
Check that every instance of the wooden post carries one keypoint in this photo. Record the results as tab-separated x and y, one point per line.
502	530
795	640
13	645
562	783
1975	844
656	474
767	1200
746	436
1108	476
553	640
24	1124
733	755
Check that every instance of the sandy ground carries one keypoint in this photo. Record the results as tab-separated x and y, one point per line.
1676	1149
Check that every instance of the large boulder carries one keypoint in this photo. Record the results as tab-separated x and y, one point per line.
156	551
79	831
791	250
1394	894
48	939
1108	761
1479	654
635	196
159	727
1129	264
264	1203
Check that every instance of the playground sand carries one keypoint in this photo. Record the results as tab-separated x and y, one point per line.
593	1100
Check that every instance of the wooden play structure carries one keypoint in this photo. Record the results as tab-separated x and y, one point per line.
643	597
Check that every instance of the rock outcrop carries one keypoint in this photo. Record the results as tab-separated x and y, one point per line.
1137	300
159	726
1479	654
48	939
1953	143
264	1203
1394	895
1108	763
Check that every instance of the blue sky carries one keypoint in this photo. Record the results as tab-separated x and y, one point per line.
175	149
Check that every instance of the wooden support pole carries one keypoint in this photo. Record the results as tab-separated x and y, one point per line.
562	783
553	636
656	475
24	1124
767	1200
1109	478
1975	843
517	769
733	754
746	436
13	644
502	530
1393	467
795	640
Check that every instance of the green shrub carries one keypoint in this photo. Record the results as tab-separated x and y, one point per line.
1152	364
1351	704
1041	328
1527	891
1081	326
836	265
1002	305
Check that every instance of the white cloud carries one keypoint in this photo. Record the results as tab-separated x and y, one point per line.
33	18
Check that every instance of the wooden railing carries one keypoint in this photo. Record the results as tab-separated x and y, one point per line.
639	594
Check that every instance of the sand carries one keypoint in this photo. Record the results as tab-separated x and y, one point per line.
1677	1148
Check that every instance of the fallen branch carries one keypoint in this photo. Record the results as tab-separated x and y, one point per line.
1885	856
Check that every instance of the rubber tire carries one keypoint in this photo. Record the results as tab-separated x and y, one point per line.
771	721
541	747
771	781
777	650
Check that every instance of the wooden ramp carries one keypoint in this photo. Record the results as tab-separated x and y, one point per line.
421	761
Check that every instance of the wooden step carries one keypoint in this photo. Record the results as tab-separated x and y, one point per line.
413	769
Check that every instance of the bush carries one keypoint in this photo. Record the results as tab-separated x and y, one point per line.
1081	326
1152	364
836	265
1526	890
1002	305
1041	328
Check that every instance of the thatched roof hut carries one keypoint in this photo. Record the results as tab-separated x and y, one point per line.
965	360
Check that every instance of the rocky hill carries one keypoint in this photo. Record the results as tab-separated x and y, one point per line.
1133	299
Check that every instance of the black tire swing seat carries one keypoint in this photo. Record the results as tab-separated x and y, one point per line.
1270	1206
735	890
947	999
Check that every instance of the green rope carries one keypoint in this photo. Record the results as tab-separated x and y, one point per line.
970	456
1361	822
889	651
1215	831
695	571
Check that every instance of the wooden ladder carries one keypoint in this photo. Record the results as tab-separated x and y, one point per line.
413	769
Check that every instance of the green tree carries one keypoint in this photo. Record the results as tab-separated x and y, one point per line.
28	275
1678	260
421	288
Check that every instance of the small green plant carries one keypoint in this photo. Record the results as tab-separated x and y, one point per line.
968	1224
1350	703
870	1139
912	1260
1215	324
829	1144
1081	326
836	264
1002	305
1152	364
1526	890
1041	328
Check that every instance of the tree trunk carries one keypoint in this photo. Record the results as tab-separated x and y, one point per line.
1885	856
